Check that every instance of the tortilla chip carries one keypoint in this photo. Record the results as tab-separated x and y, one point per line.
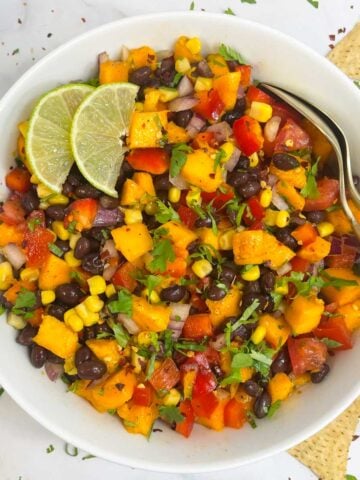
346	54
326	453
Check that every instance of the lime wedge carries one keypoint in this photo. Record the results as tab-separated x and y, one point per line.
48	148
97	132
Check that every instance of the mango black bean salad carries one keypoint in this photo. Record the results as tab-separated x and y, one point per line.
214	273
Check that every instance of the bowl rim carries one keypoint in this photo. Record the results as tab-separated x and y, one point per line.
333	410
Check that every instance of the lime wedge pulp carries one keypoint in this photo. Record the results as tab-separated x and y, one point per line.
48	148
99	125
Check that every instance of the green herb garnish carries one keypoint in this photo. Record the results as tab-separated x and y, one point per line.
273	408
165	213
314	3
330	343
178	158
121	335
150	366
123	304
50	449
229	53
33	223
310	190
171	414
228	11
2	390
25	300
71	228
162	253
219	157
55	249
71	450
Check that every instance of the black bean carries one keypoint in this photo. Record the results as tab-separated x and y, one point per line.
51	357
30	201
297	218
26	335
173	294
91	370
48	222
316	216
98	233
267	281
82	355
237	112
284	236
56	310
92	263
162	182
102	328
237	178
215	293
141	76
281	363
203	222
265	301
163	196
202	69
67	189
109	202
55	212
166	72
193	247
183	118
251	188
317	377
38	356
87	191
262	405
252	388
252	287
284	161
216	369
82	247
179	358
89	333
243	331
150	221
63	245
69	294
243	163
75	178
269	304
227	274
262	381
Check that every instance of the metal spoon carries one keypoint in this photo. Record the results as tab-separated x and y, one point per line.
334	134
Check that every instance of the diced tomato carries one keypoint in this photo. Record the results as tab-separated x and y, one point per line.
345	259
124	276
210	105
204	140
248	134
305	234
254	94
291	137
166	376
143	395
245	71
212	355
151	160
186	425
218	199
306	354
299	264
257	225
204	405
205	382
13	213
187	216
335	328
37	245
234	414
257	211
36	318
83	212
18	180
328	189
331	307
198	302
197	326
285	111
36	219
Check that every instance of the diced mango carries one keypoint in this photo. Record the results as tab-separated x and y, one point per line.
229	306
295	177
133	240
145	181
343	295
351	314
131	193
206	235
176	134
180	235
277	330
107	350
113	71
280	387
182	50
137	418
321	147
147	129
315	251
227	87
199	171
291	195
10	234
150	317
340	221
54	272
55	336
142	57
304	313
217	64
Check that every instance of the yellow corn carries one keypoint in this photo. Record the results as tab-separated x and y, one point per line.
201	268
43	191
60	231
270	217
71	260
282	289
34	179
91	319
153	297
262	112
16	321
193	196
132	215
182	65
172	398
97	285
110	290
325	229
194	45
93	303
254	159
74	237
258	334
228	149
73	321
266	197
167	94
203	84
69	366
226	239
174	194
6	275
135	360
58	199
81	311
23	127
282	219
47	296
251	274
151	208
29	274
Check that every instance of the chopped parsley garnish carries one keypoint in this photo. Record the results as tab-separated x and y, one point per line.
123	304
206	211
50	449
206	252
162	253
238	208
219	157
246	317
111	411
168	342
33	223
25	300
93	82
171	414
55	249
165	213
178	158
2	309
357	83
229	53
121	335
314	3
250	417
228	11
88	457
16	51
331	343
128	423
248	1
176	80
71	450
310	190
150	282
273	408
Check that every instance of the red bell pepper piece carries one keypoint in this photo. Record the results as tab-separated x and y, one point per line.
83	212
218	199
306	354
257	212
205	382
245	71
197	326
151	160
328	189
186	425
12	211
335	328
198	302
299	264
234	414
187	216
18	180
166	376
210	105
254	94
204	405
124	277
291	137
143	396
248	134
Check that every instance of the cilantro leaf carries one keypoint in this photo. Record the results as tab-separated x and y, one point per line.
2	390
241	360
150	366
246	316
357	83
168	342
178	158
330	343
165	213
310	190
229	53
150	282
162	253
250	417
238	208
325	280
314	3
273	408
121	335
248	1
25	300
228	11
192	6
219	156
93	82
123	304
350	477
171	414
206	212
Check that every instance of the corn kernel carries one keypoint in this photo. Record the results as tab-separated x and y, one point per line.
91	319
282	219
135	360
97	285
251	274
201	268
270	217
6	275
110	290
74	237
194	45
153	297
146	338
254	159
172	398
139	107
34	179
16	321
43	191
174	195
58	199
260	111
228	149
266	197
93	303
258	334
74	322
325	228
203	84
132	215
29	274
81	311
193	196
282	289
226	239
182	65
47	296
71	260
167	94
69	366
151	208
60	231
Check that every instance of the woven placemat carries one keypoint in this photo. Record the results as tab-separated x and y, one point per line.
326	453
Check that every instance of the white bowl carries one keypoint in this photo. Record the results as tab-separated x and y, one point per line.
277	59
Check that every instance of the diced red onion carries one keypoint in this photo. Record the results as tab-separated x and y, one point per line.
179	182
315	267
278	201
109	247
351	241
110	256
53	370
240	93
185	86
272	179
219	342
271	128
182	103
178	315
128	323
284	269
107	218
195	125
336	246
203	69
103	57
221	131
14	255
233	160
109	272
161	54
125	52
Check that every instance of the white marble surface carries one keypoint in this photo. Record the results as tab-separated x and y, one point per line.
28	30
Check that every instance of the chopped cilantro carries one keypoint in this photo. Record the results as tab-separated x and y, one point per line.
248	1
111	411
162	253
33	223
50	449
128	423
219	157
165	213
238	208
25	300
273	408
16	51
176	80
178	158
189	346
251	419
71	450
228	11
123	304
357	83
171	413
121	335
168	342
246	317
192	6
310	190
150	366
55	249
305	287
101	335
2	390
74	386
93	82
331	343
229	53
2	309
205	251
88	456
206	212
314	3
65	379
150	282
